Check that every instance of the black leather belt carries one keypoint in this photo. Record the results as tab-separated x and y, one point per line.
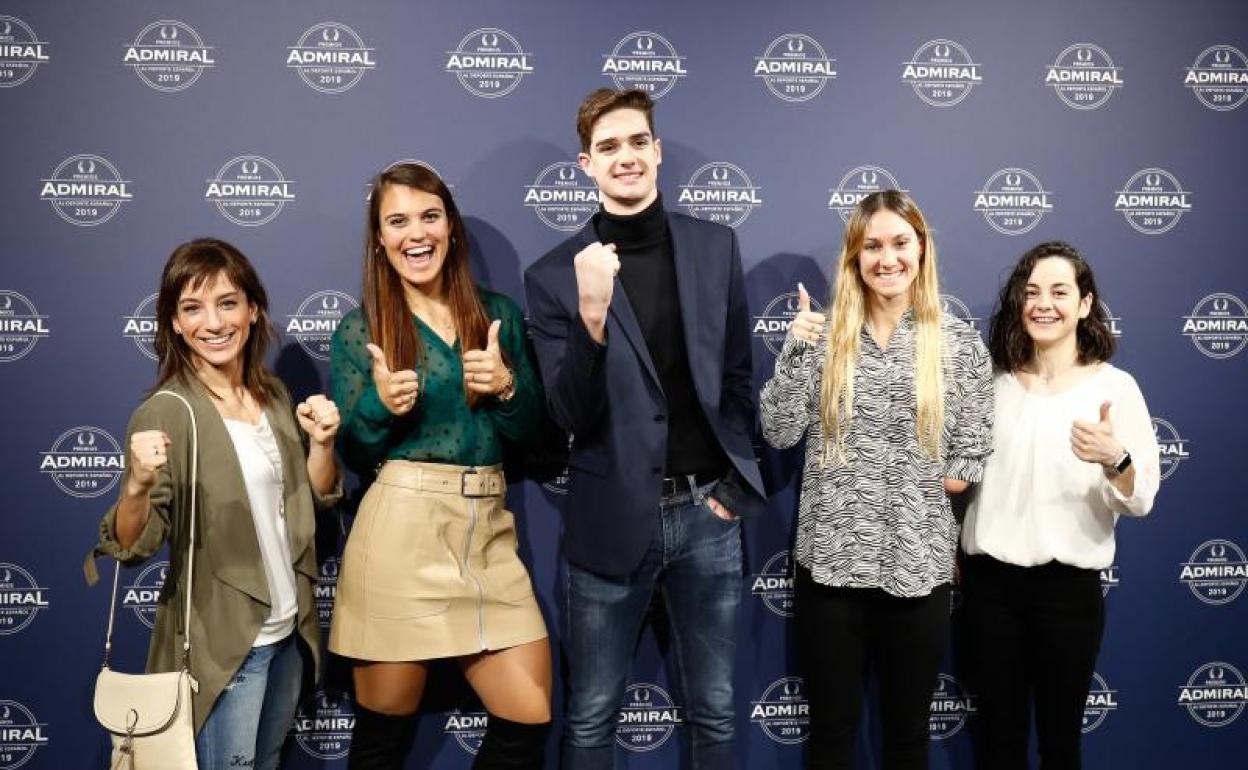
679	485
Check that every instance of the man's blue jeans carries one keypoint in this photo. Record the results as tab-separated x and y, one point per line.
250	719
696	561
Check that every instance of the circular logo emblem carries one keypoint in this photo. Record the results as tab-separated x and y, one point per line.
250	190
468	728
1101	702
960	310
783	712
1112	321
646	61
330	57
86	190
1172	448
646	718
1152	201
1219	78
84	462
326	590
562	197
1083	76
168	55
21	598
1109	579
314	322
143	595
1216	573
323	724
489	63
21	735
1013	201
21	326
772	326
858	184
140	327
951	706
21	52
1218	325
720	192
795	68
774	584
1215	694
941	73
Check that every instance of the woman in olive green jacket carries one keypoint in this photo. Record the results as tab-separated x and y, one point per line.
254	562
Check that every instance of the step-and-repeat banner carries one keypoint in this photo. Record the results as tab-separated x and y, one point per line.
131	127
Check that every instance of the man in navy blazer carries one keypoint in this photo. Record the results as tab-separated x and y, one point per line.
642	334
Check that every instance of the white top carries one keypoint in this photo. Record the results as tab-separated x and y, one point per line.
1038	502
261	461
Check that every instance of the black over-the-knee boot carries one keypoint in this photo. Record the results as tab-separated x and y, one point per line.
512	745
380	741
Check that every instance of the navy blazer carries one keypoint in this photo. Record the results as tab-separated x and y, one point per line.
608	397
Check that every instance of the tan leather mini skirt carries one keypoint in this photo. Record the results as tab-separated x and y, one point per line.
430	569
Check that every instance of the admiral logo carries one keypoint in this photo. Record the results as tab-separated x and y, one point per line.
1215	694
772	326
647	718
783	712
562	197
326	590
21	52
1172	448
168	56
1013	201
1102	701
250	190
1219	78
941	73
21	735
1112	321
795	68
140	327
323	724
314	322
86	190
21	598
1218	325
84	462
646	61
1083	76
21	326
143	595
330	57
774	584
719	192
950	708
489	63
1109	579
468	728
1216	572
858	184
959	309
1152	201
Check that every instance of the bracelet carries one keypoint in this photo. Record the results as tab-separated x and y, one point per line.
509	389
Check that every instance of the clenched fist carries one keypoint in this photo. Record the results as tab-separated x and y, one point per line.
484	370
596	267
148	454
318	416
397	390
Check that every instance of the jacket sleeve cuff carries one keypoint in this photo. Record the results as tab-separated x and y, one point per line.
969	469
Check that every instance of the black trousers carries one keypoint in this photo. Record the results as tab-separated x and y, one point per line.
1034	635
845	632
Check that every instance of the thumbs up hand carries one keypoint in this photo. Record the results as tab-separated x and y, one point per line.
1094	442
807	325
484	370
397	390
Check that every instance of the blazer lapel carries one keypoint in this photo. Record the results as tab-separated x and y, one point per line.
290	444
685	253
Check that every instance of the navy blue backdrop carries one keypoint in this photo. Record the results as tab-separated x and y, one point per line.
1117	125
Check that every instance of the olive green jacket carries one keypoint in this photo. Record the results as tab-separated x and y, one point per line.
231	596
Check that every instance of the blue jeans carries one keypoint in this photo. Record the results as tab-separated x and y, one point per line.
249	722
696	560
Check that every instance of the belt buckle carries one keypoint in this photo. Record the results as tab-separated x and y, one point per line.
482	487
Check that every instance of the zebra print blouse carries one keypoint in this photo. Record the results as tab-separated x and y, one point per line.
882	519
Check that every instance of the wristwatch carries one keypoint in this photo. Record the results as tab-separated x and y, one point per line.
1120	467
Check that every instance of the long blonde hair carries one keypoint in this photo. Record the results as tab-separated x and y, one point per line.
849	309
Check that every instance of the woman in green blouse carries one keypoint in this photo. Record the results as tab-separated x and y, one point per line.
431	374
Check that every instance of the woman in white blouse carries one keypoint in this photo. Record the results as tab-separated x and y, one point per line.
892	396
1073	448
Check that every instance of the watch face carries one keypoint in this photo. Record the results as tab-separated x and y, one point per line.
1124	463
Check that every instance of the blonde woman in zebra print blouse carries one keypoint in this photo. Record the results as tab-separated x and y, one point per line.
894	399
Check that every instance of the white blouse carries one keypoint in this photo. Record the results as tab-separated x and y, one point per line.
1038	502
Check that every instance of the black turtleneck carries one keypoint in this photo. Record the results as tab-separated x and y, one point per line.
648	277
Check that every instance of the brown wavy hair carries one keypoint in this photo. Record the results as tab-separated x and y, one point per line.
605	100
1008	342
